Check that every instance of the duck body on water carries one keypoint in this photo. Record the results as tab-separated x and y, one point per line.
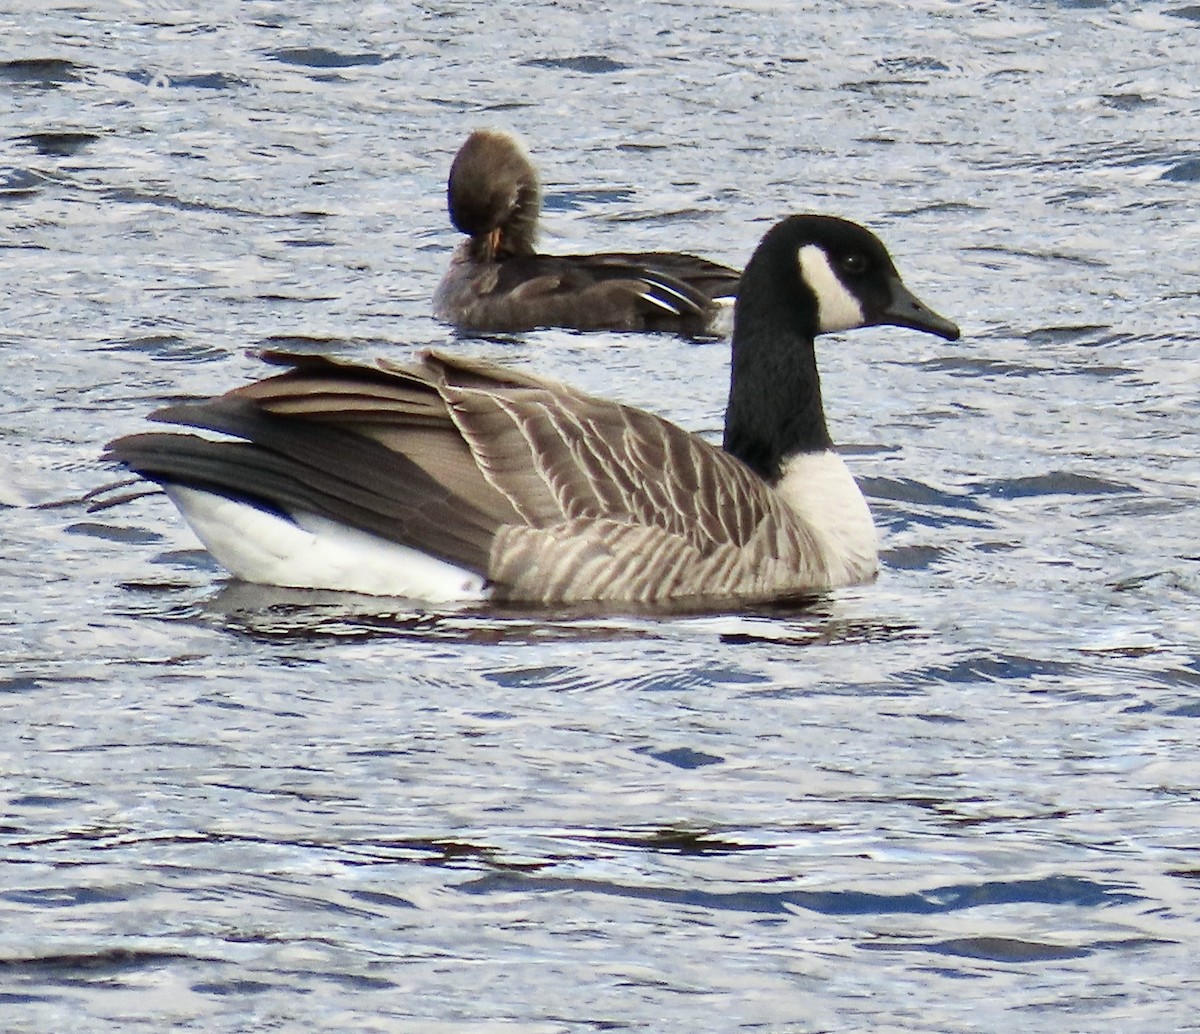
498	281
451	479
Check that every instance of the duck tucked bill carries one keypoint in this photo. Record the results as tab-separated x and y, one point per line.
454	479
498	282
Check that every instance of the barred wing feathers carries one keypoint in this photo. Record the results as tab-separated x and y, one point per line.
551	494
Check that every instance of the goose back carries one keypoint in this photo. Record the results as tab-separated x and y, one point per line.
546	492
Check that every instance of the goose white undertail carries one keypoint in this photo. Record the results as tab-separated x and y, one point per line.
310	552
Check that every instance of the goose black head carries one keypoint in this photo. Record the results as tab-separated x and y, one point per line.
810	275
829	274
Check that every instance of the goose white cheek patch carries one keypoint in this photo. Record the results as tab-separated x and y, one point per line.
837	308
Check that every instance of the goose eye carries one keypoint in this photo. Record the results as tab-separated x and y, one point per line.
855	263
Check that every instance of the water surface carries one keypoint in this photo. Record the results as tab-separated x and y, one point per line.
963	798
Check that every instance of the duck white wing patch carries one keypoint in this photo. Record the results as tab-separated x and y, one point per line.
665	296
653	299
837	308
311	552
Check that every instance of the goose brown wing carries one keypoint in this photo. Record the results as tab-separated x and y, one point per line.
616	502
290	465
535	452
551	493
320	439
398	407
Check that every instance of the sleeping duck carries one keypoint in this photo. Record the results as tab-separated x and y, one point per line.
451	479
497	282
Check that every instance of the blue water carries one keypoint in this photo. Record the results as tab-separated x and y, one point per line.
964	798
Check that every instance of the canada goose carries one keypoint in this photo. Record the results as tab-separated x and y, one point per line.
455	479
497	281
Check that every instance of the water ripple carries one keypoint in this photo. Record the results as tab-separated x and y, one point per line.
1055	890
228	806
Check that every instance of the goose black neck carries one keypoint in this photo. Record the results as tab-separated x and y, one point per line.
775	408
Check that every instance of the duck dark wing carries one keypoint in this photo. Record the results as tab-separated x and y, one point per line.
711	279
581	292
